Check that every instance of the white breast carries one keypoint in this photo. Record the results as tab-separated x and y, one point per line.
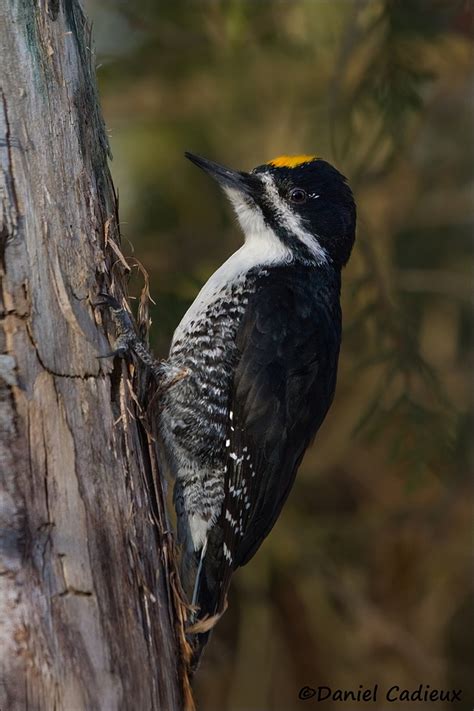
262	247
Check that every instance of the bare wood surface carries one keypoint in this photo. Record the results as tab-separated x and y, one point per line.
88	614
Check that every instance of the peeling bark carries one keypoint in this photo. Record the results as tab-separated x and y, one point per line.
89	616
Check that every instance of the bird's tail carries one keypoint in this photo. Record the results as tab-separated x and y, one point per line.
205	575
208	597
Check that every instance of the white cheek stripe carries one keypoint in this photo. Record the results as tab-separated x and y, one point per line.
291	221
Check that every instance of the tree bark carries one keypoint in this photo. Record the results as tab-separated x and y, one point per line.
90	616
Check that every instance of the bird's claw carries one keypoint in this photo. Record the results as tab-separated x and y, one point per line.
107	300
127	337
128	341
122	317
117	353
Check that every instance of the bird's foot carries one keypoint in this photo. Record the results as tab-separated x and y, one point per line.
127	340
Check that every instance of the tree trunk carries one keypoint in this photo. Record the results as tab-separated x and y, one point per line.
89	613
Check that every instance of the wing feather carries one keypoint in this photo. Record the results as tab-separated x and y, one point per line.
283	387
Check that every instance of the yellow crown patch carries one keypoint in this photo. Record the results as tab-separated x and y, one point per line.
290	161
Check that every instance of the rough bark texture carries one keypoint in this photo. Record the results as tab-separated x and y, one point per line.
89	618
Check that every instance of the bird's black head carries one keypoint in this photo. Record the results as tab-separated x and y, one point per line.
304	201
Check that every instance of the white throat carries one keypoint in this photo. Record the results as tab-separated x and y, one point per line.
259	237
261	248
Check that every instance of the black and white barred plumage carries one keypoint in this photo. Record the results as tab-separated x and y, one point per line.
260	346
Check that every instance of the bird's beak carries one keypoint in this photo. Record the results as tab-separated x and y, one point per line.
227	178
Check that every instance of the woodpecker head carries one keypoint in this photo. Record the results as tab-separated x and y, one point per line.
302	200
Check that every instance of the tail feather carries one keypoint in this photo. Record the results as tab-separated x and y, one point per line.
205	571
209	593
198	575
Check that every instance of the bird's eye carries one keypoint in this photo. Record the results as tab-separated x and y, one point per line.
298	196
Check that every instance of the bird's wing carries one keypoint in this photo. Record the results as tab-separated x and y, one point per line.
284	383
